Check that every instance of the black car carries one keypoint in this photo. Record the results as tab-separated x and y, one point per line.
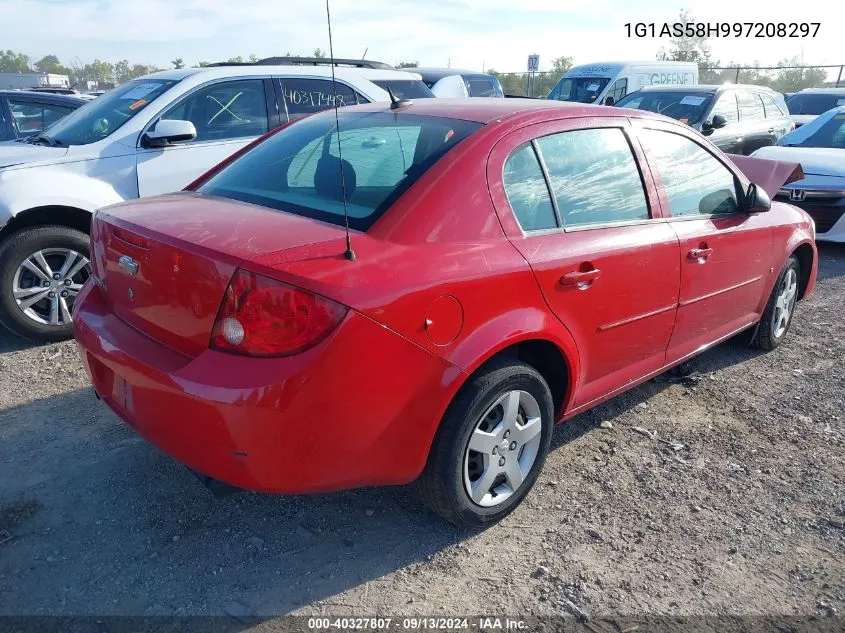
736	118
24	112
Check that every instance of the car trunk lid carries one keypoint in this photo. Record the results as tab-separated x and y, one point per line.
165	263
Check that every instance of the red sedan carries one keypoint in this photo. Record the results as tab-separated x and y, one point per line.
515	263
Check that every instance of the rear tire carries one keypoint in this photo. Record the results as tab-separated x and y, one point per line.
65	251
507	411
777	317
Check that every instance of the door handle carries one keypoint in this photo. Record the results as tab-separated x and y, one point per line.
700	253
580	277
771	129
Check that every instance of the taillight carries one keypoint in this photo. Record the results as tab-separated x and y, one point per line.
260	316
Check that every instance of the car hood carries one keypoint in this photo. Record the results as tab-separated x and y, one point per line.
16	153
769	173
822	161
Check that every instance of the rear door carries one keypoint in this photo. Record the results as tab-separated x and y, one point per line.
724	252
227	115
778	121
607	265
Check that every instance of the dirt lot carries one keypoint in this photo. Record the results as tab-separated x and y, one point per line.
746	517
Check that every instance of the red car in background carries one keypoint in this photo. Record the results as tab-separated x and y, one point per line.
516	262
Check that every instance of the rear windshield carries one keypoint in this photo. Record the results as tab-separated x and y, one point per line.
686	107
298	170
809	103
405	88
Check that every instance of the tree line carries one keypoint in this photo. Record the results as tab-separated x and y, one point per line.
103	72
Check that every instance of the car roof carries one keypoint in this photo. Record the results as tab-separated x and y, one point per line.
44	97
835	91
440	73
488	109
706	88
221	72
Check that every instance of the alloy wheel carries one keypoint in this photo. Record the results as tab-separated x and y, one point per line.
502	448
47	282
785	303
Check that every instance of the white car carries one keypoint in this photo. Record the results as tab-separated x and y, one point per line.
148	136
819	146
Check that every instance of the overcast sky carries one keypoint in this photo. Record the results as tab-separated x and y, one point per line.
468	33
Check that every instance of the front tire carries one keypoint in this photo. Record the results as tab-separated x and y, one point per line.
42	269
777	317
491	445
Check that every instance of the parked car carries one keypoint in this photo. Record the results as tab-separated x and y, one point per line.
231	326
608	82
820	148
451	82
24	113
152	135
737	119
806	105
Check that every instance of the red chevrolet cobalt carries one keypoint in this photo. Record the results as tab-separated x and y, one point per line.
512	264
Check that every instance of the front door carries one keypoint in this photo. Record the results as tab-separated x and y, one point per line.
725	252
729	138
606	263
227	116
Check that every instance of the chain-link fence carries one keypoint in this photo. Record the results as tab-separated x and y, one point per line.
780	78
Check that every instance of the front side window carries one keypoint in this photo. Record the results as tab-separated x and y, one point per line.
750	106
298	170
726	106
527	192
582	89
306	96
31	117
695	182
225	110
99	118
618	90
594	177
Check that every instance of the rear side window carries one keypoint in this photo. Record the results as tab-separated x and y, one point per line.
406	88
750	106
772	109
482	88
224	110
594	177
298	170
726	106
695	182
31	117
306	96
527	191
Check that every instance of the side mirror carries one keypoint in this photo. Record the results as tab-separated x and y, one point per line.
609	101
757	200
169	131
718	122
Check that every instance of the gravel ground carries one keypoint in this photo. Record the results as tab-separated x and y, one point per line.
719	494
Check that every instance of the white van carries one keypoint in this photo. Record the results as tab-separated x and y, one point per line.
608	82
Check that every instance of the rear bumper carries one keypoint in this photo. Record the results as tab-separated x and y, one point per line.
361	408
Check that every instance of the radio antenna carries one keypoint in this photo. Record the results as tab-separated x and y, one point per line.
349	253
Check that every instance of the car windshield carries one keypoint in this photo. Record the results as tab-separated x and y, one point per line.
829	134
813	103
102	116
582	89
686	107
406	88
298	170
